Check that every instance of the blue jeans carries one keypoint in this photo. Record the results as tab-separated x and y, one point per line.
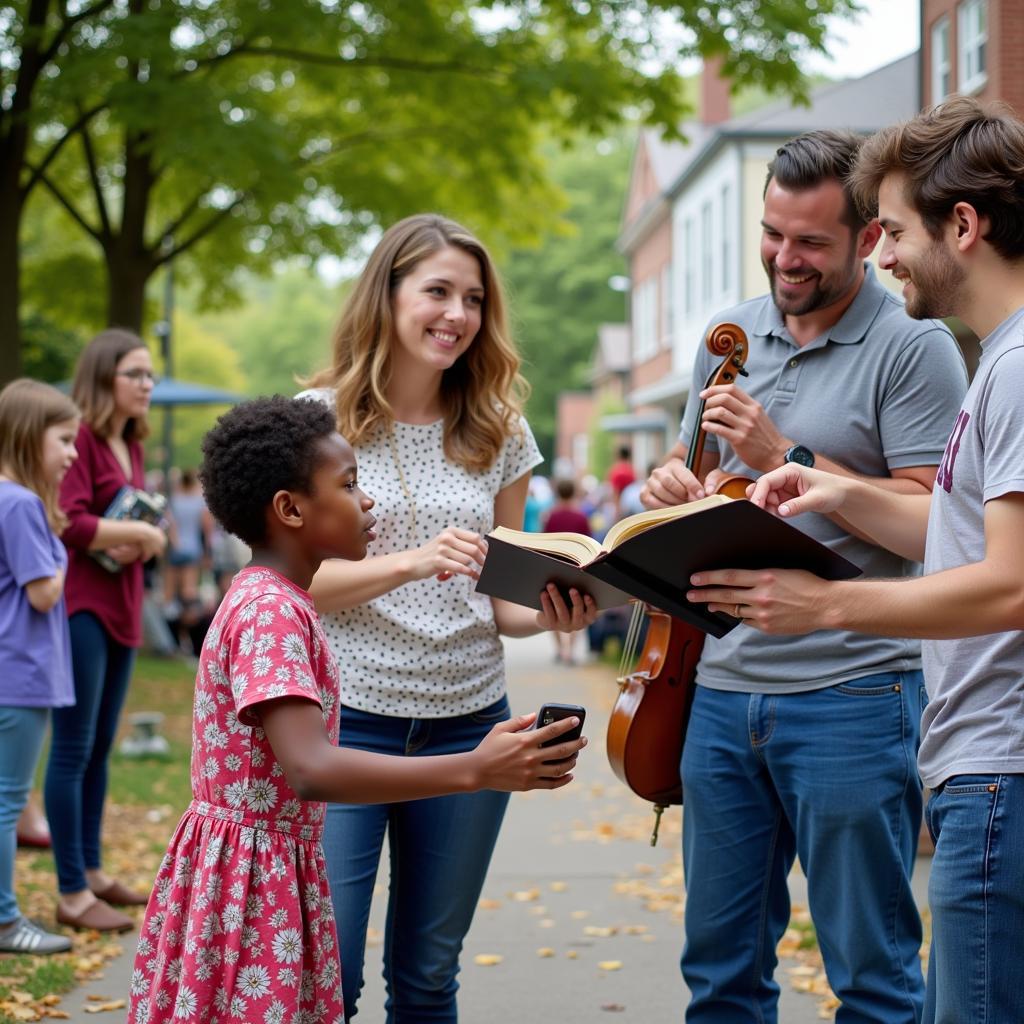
976	895
830	775
21	740
439	852
76	773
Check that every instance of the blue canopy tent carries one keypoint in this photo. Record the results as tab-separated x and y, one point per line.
170	392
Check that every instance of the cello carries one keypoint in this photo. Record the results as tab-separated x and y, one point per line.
647	726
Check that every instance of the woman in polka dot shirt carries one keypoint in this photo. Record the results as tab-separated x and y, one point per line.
426	387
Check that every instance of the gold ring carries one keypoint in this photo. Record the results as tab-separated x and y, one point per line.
738	614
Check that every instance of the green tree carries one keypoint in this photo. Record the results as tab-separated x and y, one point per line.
559	290
201	356
239	132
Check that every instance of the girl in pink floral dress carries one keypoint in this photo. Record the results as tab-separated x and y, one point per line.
239	926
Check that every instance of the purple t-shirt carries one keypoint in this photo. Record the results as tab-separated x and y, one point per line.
35	648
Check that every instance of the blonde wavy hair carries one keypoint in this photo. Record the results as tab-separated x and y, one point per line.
482	393
93	386
27	409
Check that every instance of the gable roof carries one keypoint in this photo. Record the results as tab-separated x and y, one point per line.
865	104
887	94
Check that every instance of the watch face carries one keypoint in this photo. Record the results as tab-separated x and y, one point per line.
800	455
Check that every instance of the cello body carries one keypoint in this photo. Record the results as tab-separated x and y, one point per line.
648	722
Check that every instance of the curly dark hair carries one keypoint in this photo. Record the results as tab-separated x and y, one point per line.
255	450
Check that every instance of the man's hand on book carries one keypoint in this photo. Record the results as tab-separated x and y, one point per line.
671	484
785	601
453	552
555	614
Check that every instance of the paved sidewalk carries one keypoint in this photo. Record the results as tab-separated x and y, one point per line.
573	874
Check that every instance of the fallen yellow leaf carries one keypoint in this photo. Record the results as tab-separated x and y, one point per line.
114	1004
545	952
610	965
487	959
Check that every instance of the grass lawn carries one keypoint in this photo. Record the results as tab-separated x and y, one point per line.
145	799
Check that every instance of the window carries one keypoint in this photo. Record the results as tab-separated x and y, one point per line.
688	259
942	70
725	275
667	310
972	34
645	319
706	264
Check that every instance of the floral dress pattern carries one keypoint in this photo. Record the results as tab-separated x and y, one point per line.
239	926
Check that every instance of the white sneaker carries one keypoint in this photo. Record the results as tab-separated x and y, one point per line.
25	936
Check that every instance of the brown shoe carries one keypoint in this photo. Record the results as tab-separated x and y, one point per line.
119	895
98	916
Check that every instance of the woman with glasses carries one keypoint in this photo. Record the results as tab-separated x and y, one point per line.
112	386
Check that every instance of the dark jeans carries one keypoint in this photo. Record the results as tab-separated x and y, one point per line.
76	774
830	775
976	895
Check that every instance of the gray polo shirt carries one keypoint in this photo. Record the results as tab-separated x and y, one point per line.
974	722
878	392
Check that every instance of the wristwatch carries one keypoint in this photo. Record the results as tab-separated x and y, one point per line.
800	454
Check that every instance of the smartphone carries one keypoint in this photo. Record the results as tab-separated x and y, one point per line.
555	713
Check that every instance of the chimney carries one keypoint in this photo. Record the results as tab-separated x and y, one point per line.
714	93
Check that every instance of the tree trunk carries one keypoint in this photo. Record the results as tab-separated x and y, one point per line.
127	275
10	285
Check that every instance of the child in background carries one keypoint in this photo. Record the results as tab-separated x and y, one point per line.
566	516
37	445
240	922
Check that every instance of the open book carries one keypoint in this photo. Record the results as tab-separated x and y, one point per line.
651	556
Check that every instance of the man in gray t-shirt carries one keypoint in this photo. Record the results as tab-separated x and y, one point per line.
949	191
807	747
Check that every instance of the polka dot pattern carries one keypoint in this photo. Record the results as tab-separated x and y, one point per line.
427	649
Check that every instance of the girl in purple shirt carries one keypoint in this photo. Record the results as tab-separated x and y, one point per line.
37	445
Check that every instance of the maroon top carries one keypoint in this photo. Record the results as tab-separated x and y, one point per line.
89	487
566	519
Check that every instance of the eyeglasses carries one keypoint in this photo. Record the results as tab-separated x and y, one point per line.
138	376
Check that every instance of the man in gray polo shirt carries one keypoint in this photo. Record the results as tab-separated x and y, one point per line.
807	746
949	191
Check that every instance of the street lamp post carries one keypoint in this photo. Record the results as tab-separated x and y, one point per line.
163	330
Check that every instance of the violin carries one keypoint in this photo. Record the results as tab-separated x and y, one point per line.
647	726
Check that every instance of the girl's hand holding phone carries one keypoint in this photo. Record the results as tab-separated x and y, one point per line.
510	757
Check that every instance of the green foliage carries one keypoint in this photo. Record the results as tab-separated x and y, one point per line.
48	352
559	290
602	443
251	132
282	332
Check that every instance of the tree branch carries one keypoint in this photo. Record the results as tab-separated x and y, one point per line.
70	22
84	118
94	180
75	215
190	207
330	60
201	232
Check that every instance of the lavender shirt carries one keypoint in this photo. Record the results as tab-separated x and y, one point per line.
35	648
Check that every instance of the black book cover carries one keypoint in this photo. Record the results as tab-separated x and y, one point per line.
656	565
